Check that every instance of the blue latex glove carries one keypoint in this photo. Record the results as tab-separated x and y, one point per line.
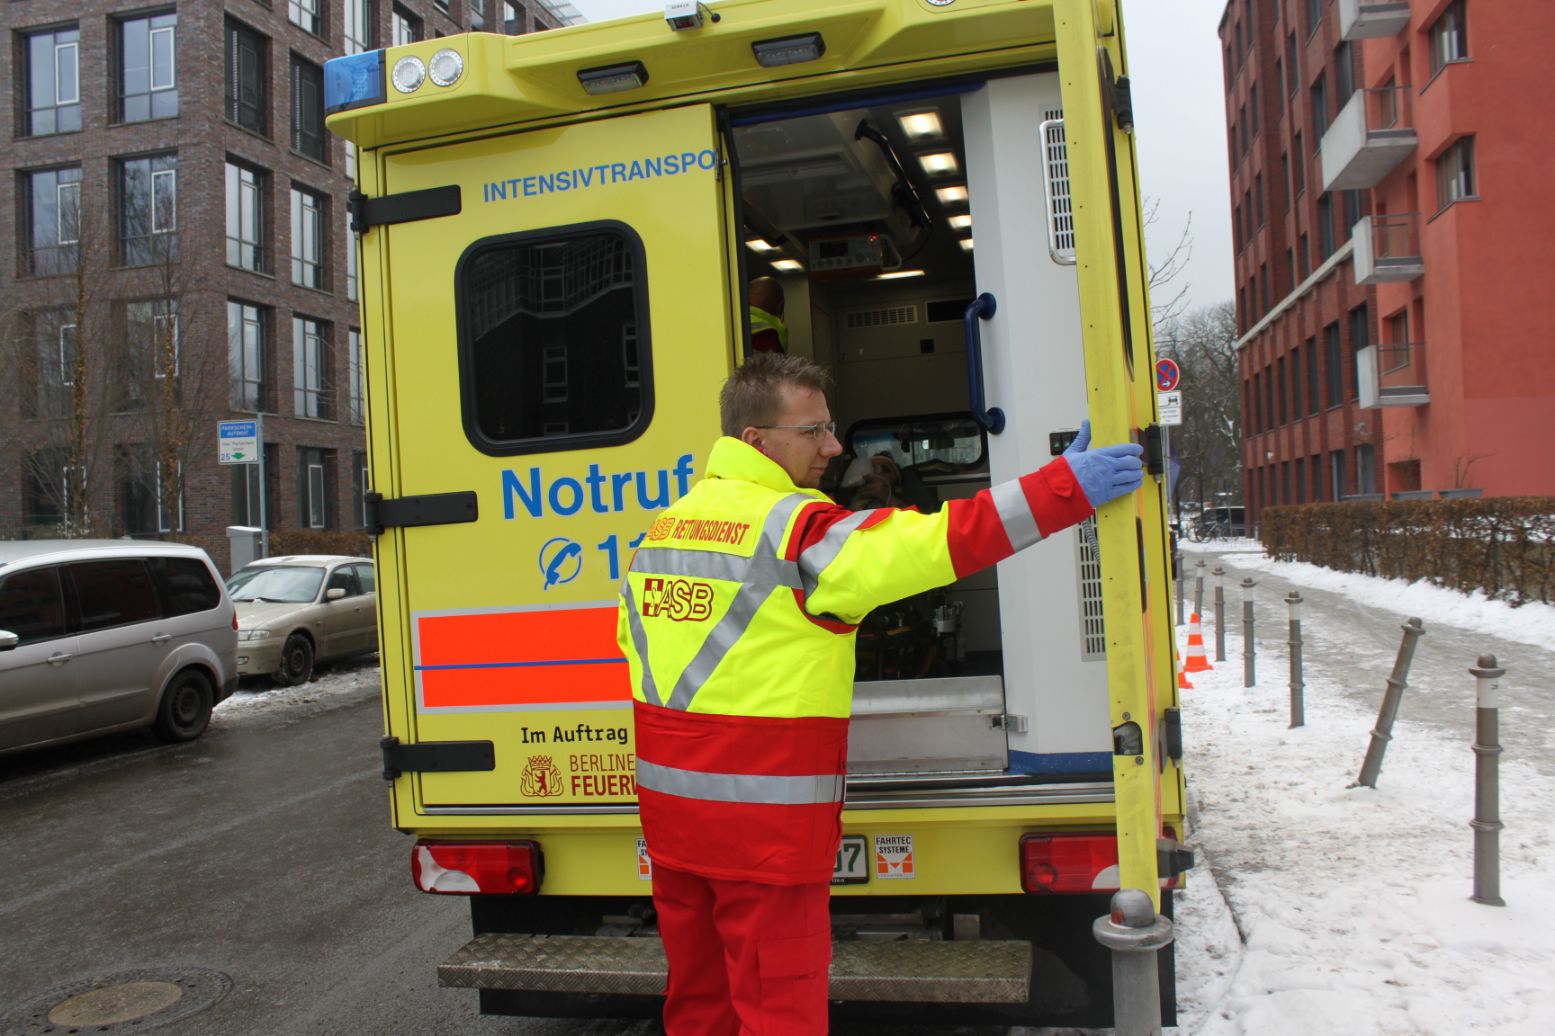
1107	472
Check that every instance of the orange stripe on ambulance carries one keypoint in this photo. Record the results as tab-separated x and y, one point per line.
603	492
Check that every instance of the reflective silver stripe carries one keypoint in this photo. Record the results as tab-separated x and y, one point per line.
808	790
742	609
634	622
1020	525
712	564
823	552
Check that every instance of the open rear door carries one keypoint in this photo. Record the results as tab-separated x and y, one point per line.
557	348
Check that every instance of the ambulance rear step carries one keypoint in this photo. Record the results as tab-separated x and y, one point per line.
909	971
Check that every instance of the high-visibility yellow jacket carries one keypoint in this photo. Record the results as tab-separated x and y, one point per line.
737	619
768	332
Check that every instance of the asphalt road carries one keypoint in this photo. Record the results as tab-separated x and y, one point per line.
261	852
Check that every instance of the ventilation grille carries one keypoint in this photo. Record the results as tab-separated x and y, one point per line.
1093	634
881	317
1060	206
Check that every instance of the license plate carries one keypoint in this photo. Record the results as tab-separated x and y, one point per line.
852	866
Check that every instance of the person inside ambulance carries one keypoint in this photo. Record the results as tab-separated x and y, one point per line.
768	333
737	617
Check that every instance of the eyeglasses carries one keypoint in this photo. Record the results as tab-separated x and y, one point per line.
814	431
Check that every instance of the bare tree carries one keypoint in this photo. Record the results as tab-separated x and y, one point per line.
1208	443
1166	301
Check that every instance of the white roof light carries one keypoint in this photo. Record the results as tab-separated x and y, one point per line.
896	275
951	195
408	75
921	125
961	222
787	265
966	244
757	244
938	162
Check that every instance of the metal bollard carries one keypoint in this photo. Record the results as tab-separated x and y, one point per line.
1198	588
1397	681
1220	613
1487	784
1298	703
1249	648
1133	932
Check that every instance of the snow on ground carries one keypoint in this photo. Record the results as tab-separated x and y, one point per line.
1352	903
331	686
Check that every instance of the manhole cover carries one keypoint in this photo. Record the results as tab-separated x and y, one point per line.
128	1001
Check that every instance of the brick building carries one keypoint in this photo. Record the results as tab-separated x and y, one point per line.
1388	330
176	252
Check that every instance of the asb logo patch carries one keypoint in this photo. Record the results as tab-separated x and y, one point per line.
893	857
682	600
541	778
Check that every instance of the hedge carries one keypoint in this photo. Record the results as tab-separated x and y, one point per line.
1503	546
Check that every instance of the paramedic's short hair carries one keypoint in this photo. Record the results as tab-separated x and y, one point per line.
753	395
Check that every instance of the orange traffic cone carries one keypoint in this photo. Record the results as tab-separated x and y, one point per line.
1197	661
1182	681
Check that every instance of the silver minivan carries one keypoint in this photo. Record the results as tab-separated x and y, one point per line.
105	635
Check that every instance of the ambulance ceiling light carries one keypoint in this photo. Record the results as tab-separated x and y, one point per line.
789	50
610	79
921	125
761	245
897	275
446	67
938	162
961	222
966	244
408	75
954	195
787	265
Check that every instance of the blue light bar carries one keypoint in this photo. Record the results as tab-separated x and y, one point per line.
353	81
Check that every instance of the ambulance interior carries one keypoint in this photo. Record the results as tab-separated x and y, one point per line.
863	215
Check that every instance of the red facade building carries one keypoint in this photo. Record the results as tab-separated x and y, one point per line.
1386	166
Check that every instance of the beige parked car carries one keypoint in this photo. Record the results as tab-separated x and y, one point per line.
105	635
300	609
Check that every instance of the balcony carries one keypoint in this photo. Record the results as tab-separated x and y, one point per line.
1392	374
1369	19
1372	134
1387	248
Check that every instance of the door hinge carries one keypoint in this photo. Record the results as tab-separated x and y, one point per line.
405	207
1123	103
1172	857
436	757
383	513
1011	724
1155	459
1171	734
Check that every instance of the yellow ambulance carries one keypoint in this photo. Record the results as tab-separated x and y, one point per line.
557	236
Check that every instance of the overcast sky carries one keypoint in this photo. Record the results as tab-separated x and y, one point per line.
1179	117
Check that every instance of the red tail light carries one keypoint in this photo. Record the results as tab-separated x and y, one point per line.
466	868
234	618
1069	863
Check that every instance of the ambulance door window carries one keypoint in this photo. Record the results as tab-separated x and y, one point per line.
553	340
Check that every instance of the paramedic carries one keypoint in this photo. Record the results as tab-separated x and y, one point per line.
768	334
737	619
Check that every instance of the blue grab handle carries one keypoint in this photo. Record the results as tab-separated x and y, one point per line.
980	308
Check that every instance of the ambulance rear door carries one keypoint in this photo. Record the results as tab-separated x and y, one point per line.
555	351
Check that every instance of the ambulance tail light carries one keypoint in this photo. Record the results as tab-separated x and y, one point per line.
1069	863
612	79
789	50
469	868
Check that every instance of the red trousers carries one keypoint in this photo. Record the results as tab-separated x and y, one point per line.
745	959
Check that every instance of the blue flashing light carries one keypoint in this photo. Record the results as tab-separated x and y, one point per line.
354	81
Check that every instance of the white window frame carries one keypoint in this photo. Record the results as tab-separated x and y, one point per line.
1449	37
67	365
162	523
318	514
1455	179
249	232
357	391
60	191
307	239
303	12
156	209
356	31
172	58
247	348
308	374
75	86
352	286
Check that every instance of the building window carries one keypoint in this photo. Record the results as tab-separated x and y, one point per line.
1290	265
308	242
361	28
1264	287
246	218
1304	254
1314	401
1449	37
1298	165
1258	198
355	378
1279	81
1365	469
1360	338
148	210
477	15
406	27
48	370
1325	226
53	210
359	487
1336	475
1314	15
1252	109
311	382
1455	173
313	479
53	81
1344	72
148	75
1280	393
351	275
249	506
1334	357
248	78
1292	77
306	15
148	355
143	492
513	19
247	357
1319	110
1352	212
307	108
1295	384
